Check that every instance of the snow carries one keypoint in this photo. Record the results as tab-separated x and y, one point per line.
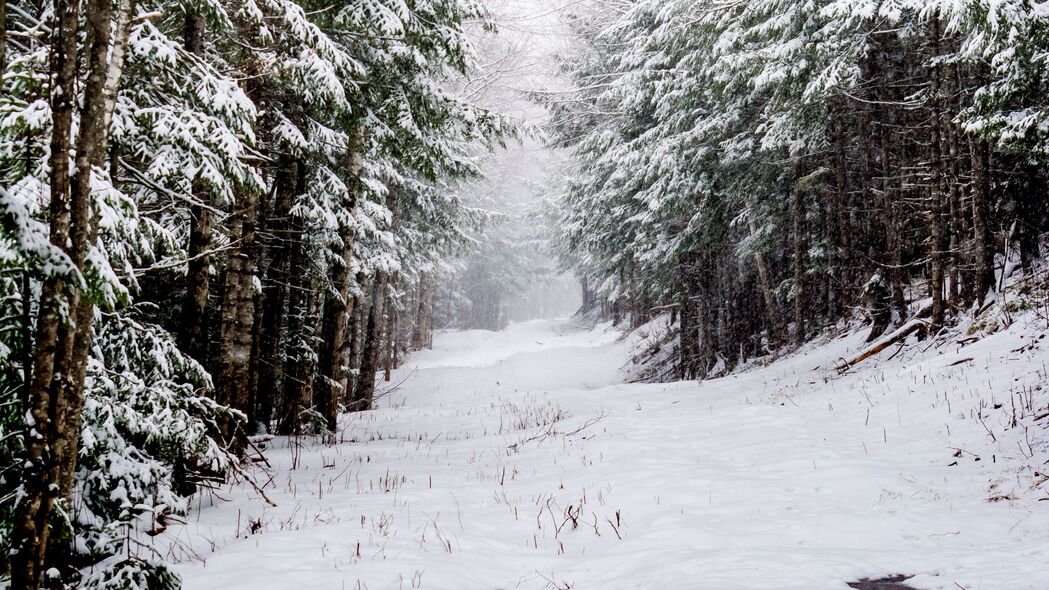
791	476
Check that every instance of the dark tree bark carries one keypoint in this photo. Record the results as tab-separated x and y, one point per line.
332	355
424	312
797	216
765	279
879	166
842	265
392	327
3	36
106	54
357	325
719	319
705	313
879	307
960	289
937	222
688	362
194	337
55	393
1029	205
298	386
30	529
280	239
364	393
590	301
983	244
236	325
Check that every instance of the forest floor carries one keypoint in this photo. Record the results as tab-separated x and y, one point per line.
520	459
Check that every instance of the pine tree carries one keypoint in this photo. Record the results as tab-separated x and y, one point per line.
210	164
802	151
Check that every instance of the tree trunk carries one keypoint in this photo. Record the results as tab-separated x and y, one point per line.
332	353
3	36
194	323
364	394
298	383
424	312
358	326
765	279
1029	203
688	363
722	287
983	244
960	290
55	394
891	220
332	356
30	529
195	306
280	239
298	386
936	194
705	289
797	214
590	301
392	326
236	326
839	280
876	126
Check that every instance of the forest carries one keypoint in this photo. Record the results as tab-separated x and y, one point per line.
229	225
826	159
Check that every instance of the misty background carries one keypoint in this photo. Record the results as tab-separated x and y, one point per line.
512	274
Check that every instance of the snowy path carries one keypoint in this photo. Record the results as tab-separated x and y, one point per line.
518	460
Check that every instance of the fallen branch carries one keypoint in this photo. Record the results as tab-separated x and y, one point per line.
550	430
662	308
258	443
901	334
250	480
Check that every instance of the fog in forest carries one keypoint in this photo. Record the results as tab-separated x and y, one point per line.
513	274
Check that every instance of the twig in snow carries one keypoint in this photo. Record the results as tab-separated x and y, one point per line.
250	480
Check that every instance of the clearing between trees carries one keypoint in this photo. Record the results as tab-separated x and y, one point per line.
521	459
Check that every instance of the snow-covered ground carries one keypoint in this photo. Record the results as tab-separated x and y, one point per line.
520	460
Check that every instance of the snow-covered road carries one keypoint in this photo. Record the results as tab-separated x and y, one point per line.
520	460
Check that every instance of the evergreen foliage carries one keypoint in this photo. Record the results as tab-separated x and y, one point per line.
254	170
795	154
